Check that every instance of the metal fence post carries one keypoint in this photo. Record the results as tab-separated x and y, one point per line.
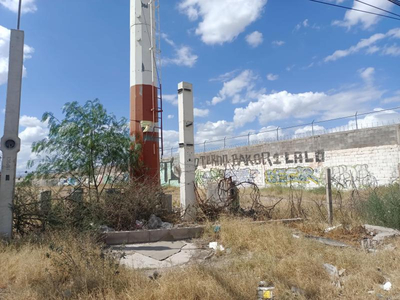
329	196
277	133
248	139
204	146
312	127
171	152
356	119
224	142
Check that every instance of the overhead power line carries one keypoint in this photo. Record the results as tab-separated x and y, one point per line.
397	2
355	9
389	12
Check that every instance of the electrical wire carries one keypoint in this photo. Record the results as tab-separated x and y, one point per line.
355	9
397	2
389	12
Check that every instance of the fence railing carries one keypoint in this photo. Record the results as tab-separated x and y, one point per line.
356	121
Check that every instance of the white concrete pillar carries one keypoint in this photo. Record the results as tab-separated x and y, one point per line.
10	142
186	150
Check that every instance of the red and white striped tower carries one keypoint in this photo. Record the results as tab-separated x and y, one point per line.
144	81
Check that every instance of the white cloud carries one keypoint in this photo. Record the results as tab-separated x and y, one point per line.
183	57
172	99
392	50
167	39
201	112
367	74
183	54
33	130
239	89
278	43
265	134
171	116
290	68
272	77
283	105
394	98
373	49
352	17
4	51
221	20
28	6
213	131
171	140
317	129
255	39
305	24
225	77
364	44
376	119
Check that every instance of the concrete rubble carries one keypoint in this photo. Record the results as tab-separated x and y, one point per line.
378	235
335	274
327	241
381	233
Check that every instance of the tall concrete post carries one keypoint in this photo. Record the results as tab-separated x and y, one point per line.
143	94
10	142
186	150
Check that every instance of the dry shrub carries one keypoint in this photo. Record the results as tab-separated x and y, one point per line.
64	265
139	200
79	265
118	208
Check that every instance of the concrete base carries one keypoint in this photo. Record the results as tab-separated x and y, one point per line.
149	236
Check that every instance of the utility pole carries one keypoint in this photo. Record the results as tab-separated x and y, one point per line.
186	150
10	142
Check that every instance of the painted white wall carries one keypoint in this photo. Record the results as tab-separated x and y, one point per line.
355	167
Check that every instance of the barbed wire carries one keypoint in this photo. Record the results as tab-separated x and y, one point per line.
246	139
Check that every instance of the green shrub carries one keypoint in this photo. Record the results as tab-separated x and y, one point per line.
383	206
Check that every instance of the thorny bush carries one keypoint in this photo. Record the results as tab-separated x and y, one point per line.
70	208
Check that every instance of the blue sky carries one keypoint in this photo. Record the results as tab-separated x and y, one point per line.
254	64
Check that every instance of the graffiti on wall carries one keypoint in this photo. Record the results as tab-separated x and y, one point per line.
170	172
299	175
263	158
243	175
204	177
357	176
343	177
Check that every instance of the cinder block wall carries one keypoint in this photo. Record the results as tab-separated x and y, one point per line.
358	158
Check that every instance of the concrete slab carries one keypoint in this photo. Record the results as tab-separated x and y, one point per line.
159	250
158	255
139	261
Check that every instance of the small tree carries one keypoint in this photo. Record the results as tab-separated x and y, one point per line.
88	145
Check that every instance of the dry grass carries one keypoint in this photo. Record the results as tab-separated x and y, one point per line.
31	270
